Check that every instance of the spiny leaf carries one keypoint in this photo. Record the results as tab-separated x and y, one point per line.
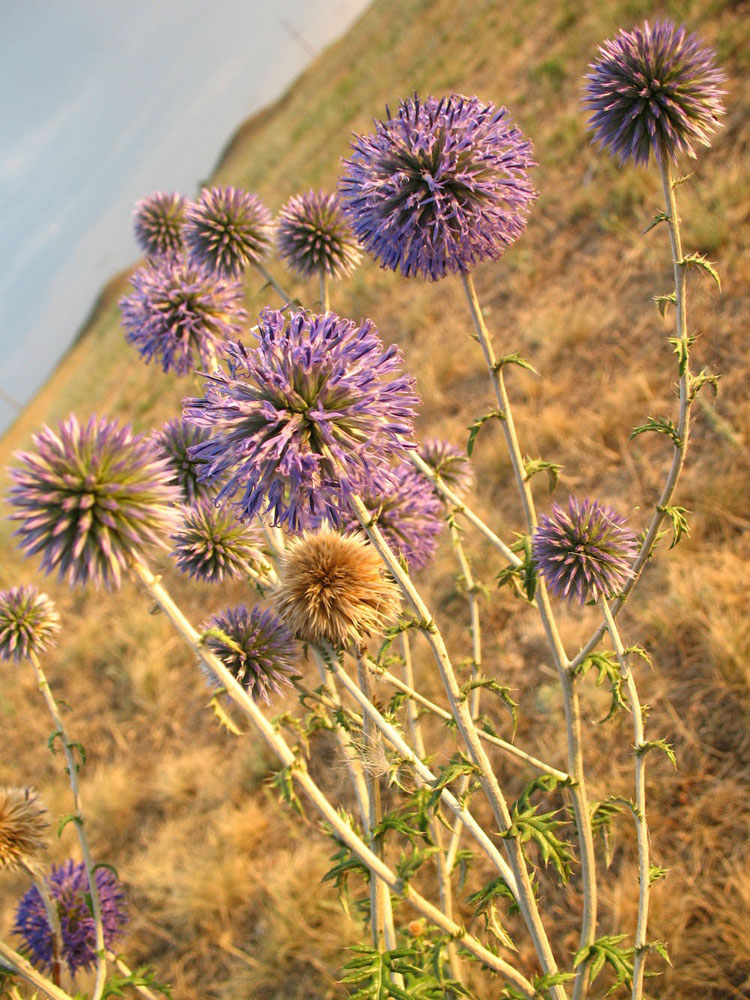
663	301
484	901
523	578
456	768
409	864
703	378
607	950
699	260
284	782
602	814
661	426
656	872
489	684
477	425
659	217
667	748
116	985
529	825
660	948
68	818
514	359
676	181
533	465
608	670
542	984
223	717
678	519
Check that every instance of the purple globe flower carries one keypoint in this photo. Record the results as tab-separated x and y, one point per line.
68	886
313	237
310	417
180	313
90	498
440	187
409	514
259	651
211	544
174	440
227	229
449	462
28	623
584	553
654	90
157	222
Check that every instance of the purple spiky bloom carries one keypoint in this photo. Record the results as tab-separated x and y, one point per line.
314	238
440	187
654	90
227	229
585	552
449	462
90	497
180	313
68	886
157	223
409	515
260	651
174	440
28	623
211	544
310	417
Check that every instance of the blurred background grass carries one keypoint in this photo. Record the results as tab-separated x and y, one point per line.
225	891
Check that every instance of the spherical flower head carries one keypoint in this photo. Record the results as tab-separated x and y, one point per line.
448	462
174	441
68	886
23	826
314	238
409	516
654	91
211	544
585	552
180	313
227	229
157	222
310	417
440	187
332	588
90	498
256	647
28	623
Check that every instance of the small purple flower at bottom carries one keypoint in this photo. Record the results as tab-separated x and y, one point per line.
585	552
68	886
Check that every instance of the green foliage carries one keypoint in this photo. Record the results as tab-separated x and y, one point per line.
116	985
663	302
608	669
477	425
659	217
541	984
701	262
529	825
458	766
533	465
345	861
514	359
489	684
660	425
696	383
607	950
602	814
421	971
678	519
522	578
484	903
223	717
662	745
68	818
283	780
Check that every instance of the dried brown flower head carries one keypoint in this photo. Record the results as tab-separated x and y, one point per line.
332	587
22	825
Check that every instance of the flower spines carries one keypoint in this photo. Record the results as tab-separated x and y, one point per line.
440	187
314	238
211	544
28	623
654	90
227	229
305	420
157	223
180	313
90	498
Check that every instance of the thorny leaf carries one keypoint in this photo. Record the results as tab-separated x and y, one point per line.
489	684
661	426
607	950
678	519
608	670
699	260
662	745
476	426
514	359
663	302
533	465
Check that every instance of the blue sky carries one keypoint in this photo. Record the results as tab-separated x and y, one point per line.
105	101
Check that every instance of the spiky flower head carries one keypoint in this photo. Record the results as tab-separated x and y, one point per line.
211	544
654	90
174	440
409	515
448	462
256	647
440	187
28	623
585	552
23	825
314	238
90	497
227	229
311	416
157	222
179	313
68	886
332	587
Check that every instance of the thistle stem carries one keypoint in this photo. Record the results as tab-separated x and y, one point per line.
325	298
341	829
72	769
285	297
54	923
27	971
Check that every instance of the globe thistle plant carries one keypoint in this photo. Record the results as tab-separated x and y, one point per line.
28	623
157	222
409	515
174	440
255	646
654	90
227	229
68	887
448	462
310	417
89	498
440	187
332	589
211	544
585	552
179	313
23	825
314	238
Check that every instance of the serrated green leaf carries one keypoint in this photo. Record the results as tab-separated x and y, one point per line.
223	717
514	359
700	261
659	217
660	425
661	949
489	684
662	745
283	780
477	425
531	466
607	950
678	519
528	825
663	301
656	872
697	382
608	669
409	864
68	818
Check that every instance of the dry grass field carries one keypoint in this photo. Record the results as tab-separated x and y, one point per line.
225	900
